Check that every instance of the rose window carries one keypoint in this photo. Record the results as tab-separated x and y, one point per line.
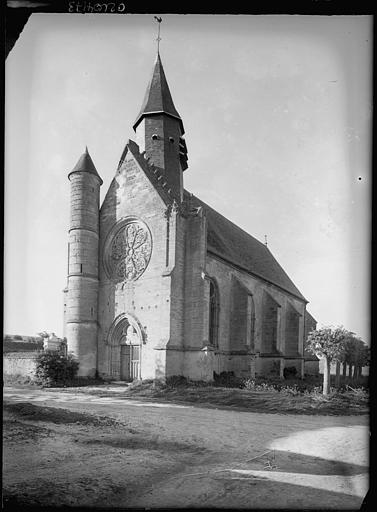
129	252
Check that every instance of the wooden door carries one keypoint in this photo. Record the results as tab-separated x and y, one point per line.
135	361
125	357
129	362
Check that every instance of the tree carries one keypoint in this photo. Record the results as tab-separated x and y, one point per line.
337	373
360	356
327	344
346	355
355	354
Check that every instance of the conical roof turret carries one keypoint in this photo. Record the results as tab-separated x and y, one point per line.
85	164
157	99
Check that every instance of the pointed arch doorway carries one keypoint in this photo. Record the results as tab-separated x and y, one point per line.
125	343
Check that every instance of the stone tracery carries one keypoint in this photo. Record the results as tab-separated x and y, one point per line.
129	252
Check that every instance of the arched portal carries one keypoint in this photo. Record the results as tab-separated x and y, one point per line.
125	341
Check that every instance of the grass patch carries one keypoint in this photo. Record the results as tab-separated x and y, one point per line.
31	412
262	399
261	395
14	430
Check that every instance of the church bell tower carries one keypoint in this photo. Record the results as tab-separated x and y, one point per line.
159	131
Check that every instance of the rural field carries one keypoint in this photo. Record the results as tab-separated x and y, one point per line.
110	446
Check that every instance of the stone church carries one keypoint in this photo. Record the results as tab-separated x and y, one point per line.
159	283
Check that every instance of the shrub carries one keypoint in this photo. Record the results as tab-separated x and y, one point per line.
249	384
227	380
176	381
54	369
357	392
252	385
295	386
314	392
291	390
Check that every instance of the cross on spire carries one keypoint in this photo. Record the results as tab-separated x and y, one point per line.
158	36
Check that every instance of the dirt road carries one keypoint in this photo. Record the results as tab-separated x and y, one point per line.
165	455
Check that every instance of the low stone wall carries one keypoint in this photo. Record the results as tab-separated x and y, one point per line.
20	364
267	366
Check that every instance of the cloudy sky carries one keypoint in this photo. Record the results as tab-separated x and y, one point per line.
277	112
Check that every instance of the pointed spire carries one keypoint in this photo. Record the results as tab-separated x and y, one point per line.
85	164
157	99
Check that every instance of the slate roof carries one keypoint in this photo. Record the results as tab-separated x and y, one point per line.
85	164
233	244
157	99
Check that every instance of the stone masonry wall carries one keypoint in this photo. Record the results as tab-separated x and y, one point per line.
84	201
224	274
20	364
148	298
159	137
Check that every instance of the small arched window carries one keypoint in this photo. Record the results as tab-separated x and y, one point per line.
213	313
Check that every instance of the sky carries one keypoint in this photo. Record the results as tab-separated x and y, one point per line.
277	113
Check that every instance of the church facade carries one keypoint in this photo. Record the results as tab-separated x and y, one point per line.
159	283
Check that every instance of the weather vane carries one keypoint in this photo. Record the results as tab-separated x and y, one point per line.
158	37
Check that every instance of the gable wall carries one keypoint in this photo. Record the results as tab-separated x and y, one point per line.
148	298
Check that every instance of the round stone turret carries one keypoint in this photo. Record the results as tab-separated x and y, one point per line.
82	294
